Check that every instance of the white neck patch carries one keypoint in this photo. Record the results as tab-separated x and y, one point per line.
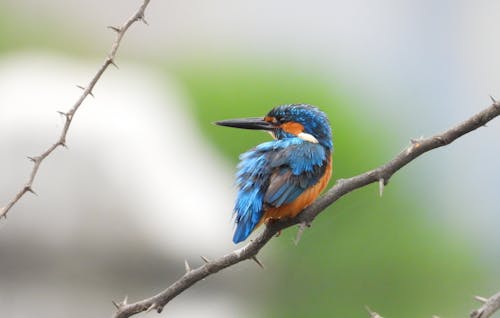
307	137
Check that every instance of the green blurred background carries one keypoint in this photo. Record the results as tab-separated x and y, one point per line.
363	250
399	254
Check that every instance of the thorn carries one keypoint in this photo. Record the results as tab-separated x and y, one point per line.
493	99
153	305
300	231
30	189
112	62
159	309
33	159
66	115
372	313
381	183
206	260
117	30
416	142
143	20
120	305
481	299
186	266
83	88
256	260
62	144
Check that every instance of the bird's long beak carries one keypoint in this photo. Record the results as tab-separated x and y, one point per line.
257	123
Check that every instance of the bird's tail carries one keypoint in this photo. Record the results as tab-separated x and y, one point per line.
248	212
243	230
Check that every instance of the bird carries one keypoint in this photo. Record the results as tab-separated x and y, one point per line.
279	178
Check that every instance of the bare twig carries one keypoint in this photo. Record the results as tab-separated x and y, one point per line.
69	115
489	307
341	188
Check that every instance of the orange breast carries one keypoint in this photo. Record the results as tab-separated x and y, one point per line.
302	201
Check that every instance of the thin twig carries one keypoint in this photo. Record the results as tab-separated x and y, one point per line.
489	307
69	115
341	188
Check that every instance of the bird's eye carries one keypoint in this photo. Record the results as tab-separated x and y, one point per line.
272	120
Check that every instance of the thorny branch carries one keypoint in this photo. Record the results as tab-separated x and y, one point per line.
69	115
380	175
489	307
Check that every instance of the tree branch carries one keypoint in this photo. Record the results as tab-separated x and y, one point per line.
69	115
381	175
489	307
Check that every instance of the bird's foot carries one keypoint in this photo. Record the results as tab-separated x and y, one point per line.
270	221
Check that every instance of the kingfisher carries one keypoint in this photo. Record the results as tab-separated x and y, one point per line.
279	178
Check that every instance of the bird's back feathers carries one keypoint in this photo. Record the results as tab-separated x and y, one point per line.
274	174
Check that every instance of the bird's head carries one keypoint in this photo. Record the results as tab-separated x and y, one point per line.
287	121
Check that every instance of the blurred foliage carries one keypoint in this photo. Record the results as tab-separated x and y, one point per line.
40	32
364	250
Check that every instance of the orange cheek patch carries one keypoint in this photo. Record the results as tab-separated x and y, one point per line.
292	128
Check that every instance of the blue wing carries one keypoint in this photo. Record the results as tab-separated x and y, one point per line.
273	174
